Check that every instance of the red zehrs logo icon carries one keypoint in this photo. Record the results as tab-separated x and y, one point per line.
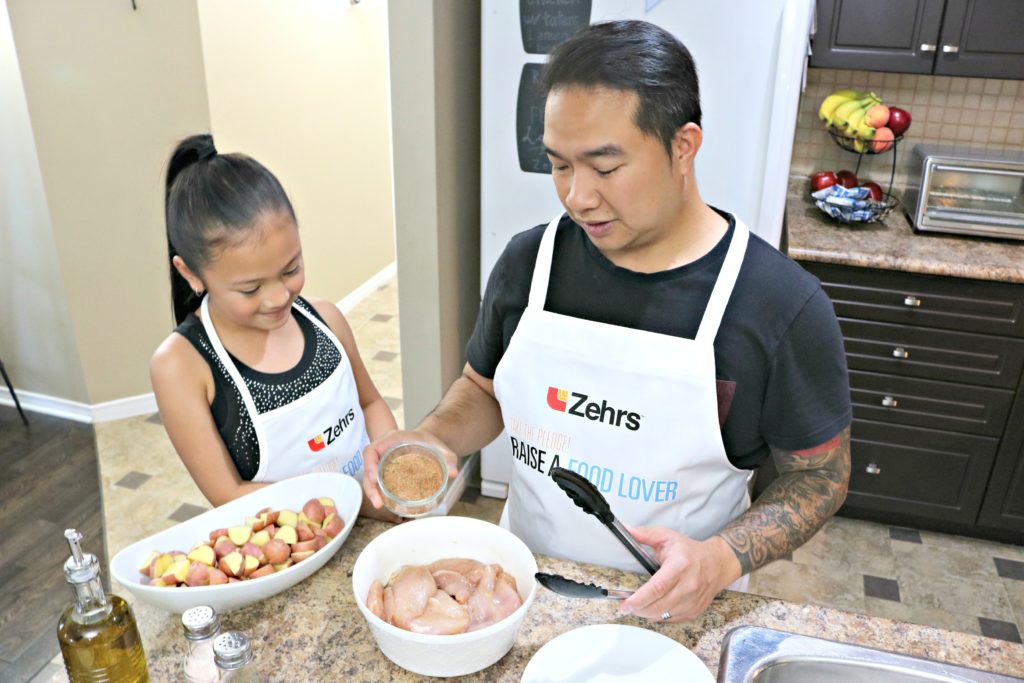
332	432
557	398
580	405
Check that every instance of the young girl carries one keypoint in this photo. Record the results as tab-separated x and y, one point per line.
256	384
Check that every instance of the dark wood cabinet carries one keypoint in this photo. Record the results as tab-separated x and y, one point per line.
936	367
982	38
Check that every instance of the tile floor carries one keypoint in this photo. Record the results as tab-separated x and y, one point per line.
927	578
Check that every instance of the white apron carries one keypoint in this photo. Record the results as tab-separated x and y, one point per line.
322	431
635	412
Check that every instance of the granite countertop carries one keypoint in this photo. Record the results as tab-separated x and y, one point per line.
892	244
315	632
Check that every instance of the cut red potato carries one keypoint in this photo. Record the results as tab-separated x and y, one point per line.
269	542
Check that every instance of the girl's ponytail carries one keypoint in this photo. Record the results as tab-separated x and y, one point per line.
210	197
189	152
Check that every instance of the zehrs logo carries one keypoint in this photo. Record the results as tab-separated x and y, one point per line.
322	441
580	405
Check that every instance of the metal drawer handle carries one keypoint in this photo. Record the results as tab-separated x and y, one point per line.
900	352
872	468
911	300
951	49
927	47
890	402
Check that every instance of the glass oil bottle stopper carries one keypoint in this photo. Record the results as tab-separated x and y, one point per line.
233	654
201	626
99	639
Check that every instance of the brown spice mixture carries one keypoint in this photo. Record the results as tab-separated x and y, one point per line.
412	476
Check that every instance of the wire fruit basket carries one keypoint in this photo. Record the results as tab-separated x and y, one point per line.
850	209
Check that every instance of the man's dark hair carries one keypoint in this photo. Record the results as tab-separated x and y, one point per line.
633	56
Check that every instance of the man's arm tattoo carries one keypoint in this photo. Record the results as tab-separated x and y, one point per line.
810	488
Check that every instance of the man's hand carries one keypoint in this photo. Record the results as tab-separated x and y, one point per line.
691	575
373	452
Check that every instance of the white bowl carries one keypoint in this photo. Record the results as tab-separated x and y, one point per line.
434	538
289	493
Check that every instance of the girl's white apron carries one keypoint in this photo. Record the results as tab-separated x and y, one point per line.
322	431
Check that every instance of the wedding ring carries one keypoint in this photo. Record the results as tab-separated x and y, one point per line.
665	616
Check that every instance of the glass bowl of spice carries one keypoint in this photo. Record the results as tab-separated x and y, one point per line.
413	478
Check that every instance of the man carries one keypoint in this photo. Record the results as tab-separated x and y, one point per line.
647	341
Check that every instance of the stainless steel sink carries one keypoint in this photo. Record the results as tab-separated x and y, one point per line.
752	654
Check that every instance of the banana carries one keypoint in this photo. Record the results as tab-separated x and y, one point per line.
830	103
864	131
853	124
844	111
843	116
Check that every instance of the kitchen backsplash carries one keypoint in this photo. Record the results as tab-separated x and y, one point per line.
984	113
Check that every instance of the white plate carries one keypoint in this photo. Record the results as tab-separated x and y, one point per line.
604	653
290	493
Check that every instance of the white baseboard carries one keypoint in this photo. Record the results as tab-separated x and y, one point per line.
367	288
118	409
143	404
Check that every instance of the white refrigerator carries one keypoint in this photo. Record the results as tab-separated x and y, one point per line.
751	60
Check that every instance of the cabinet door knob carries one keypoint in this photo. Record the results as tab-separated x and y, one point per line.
951	49
911	300
927	47
872	468
900	352
890	402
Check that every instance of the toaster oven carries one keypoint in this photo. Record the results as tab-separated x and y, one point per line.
958	190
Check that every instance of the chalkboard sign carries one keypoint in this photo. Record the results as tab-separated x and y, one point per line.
530	122
546	23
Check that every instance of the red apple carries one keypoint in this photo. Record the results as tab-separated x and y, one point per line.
875	189
822	179
847	178
899	121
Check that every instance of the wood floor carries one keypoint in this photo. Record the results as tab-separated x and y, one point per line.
49	481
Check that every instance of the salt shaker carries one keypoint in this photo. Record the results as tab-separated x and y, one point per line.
201	626
233	654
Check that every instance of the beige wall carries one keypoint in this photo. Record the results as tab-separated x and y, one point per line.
37	344
302	87
109	90
435	81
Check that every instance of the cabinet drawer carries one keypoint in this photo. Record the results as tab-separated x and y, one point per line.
932	354
917	471
926	403
924	300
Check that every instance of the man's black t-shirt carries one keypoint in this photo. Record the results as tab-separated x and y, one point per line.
779	350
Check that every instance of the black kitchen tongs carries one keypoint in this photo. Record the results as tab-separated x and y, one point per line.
587	497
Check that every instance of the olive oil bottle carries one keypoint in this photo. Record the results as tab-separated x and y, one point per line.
98	636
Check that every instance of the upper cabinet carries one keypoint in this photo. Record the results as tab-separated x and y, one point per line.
980	38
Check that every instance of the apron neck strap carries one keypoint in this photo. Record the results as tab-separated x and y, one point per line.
542	269
720	295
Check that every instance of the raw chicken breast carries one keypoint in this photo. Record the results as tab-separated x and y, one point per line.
411	587
443	616
454	584
446	597
375	600
494	599
471	569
